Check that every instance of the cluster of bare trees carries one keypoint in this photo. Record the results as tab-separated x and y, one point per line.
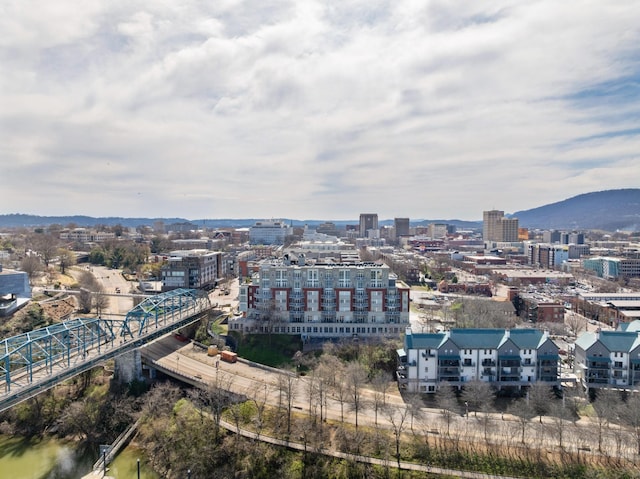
91	294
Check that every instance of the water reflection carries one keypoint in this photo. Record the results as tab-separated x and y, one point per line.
54	459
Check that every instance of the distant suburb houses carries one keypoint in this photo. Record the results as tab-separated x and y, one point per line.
505	358
323	299
609	359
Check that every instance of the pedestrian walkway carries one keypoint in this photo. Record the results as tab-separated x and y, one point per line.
409	466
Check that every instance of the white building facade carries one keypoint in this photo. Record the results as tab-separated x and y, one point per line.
269	232
504	358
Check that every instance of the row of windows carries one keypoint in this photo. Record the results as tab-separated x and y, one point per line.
332	329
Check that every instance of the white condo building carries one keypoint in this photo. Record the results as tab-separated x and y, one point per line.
269	232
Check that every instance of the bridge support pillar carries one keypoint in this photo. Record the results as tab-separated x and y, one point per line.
129	367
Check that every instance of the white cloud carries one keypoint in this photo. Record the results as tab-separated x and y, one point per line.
313	110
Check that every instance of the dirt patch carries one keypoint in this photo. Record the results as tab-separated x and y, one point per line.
59	309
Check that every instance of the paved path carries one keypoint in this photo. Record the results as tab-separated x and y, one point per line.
391	462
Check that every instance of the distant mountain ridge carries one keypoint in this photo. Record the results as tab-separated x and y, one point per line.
608	210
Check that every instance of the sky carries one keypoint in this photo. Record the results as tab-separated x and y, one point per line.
306	109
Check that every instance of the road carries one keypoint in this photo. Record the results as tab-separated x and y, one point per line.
260	382
113	282
242	377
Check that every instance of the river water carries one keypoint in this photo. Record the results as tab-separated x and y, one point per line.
55	459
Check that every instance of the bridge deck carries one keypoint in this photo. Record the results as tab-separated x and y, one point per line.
38	360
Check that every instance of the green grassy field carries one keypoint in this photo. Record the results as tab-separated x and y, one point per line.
275	351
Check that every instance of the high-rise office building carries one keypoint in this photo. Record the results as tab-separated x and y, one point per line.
402	226
368	221
495	227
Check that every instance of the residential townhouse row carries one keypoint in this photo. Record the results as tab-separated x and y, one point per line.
609	359
505	358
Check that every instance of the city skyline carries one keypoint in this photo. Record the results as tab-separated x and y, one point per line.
301	110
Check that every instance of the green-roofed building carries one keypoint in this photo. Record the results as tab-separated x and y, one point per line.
609	359
505	358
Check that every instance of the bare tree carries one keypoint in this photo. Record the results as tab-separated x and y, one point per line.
287	391
605	406
539	397
312	381
215	397
66	259
523	413
160	399
259	397
559	417
356	377
341	391
100	300
477	395
31	265
397	417
415	405
329	372
575	323
630	415
448	404
85	300
46	245
380	383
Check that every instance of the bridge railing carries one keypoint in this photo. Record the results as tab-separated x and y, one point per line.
40	358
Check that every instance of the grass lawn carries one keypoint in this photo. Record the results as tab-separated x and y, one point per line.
275	352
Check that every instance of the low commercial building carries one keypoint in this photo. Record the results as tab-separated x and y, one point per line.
613	268
505	358
15	290
84	235
194	269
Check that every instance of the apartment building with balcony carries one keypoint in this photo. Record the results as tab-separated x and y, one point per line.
505	358
323	299
609	359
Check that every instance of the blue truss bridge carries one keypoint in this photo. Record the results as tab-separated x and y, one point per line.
38	360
